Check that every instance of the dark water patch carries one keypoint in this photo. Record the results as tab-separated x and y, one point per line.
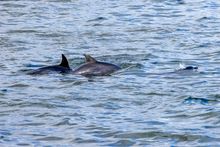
198	83
5	135
44	115
36	104
31	124
138	102
22	31
81	99
193	100
100	18
19	85
83	140
4	90
212	127
122	143
180	2
217	96
15	103
50	138
209	115
95	127
173	2
203	18
102	133
107	105
23	144
5	132
108	35
7	112
205	115
156	94
151	123
162	135
98	24
135	7
34	134
31	114
139	135
14	5
143	30
65	121
117	100
51	35
203	45
105	134
177	115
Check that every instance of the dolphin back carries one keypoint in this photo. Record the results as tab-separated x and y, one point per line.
96	69
63	67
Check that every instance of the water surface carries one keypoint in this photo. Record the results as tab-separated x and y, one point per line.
145	105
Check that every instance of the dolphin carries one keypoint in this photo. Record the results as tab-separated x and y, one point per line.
92	67
63	67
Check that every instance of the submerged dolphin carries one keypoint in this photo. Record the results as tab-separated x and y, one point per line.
190	68
63	67
92	67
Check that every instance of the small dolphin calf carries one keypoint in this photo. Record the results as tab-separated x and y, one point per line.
63	67
92	67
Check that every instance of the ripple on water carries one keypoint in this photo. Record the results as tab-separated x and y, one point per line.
203	101
107	105
50	138
83	140
19	85
123	142
66	121
170	136
22	31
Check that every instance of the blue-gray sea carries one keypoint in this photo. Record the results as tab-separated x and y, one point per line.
148	103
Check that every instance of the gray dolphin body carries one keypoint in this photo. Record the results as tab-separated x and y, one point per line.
92	67
63	67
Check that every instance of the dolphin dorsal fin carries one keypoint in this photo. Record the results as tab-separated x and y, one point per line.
64	62
90	59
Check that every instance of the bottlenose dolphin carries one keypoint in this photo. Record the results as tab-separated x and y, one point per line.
92	67
63	67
